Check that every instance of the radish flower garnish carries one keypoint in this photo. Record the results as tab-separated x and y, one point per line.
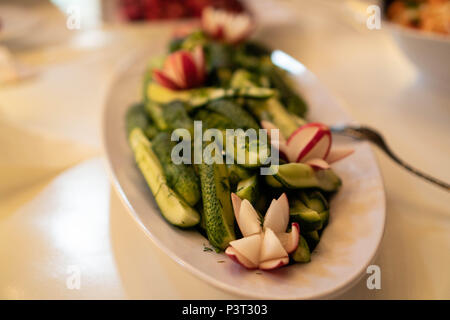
309	144
265	246
227	26
182	70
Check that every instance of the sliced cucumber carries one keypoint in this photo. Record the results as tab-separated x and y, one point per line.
212	119
293	102
237	173
173	208
217	208
248	189
170	116
242	79
156	113
240	117
324	216
314	199
175	115
308	219
271	181
300	175
302	253
136	117
199	97
312	238
181	177
247	152
272	110
250	153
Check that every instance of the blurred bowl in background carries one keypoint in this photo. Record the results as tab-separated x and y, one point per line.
428	51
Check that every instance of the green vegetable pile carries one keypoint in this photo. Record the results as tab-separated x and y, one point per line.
242	87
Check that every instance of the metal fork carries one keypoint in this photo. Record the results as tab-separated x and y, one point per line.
365	133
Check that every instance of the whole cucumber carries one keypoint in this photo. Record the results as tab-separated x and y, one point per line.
217	208
181	177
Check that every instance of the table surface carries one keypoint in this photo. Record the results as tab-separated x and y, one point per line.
58	210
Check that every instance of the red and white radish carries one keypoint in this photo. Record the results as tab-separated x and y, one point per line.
310	141
249	247
226	26
182	70
337	154
271	247
265	247
236	201
273	264
277	216
239	258
318	164
248	219
290	240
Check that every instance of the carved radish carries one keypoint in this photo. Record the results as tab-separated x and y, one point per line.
277	216
239	258
310	144
337	154
248	219
290	240
313	140
265	247
182	70
226	26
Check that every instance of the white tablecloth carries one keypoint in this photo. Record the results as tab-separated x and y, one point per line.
58	210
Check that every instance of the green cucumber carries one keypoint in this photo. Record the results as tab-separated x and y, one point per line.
249	149
155	111
272	110
293	102
240	117
300	175
312	238
302	253
181	177
237	173
175	115
215	120
156	62
218	55
308	219
173	208
136	117
271	181
248	189
314	199
170	116
252	151
325	217
198	97
242	79
217	208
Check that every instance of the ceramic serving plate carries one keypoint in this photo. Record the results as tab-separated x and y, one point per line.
348	244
